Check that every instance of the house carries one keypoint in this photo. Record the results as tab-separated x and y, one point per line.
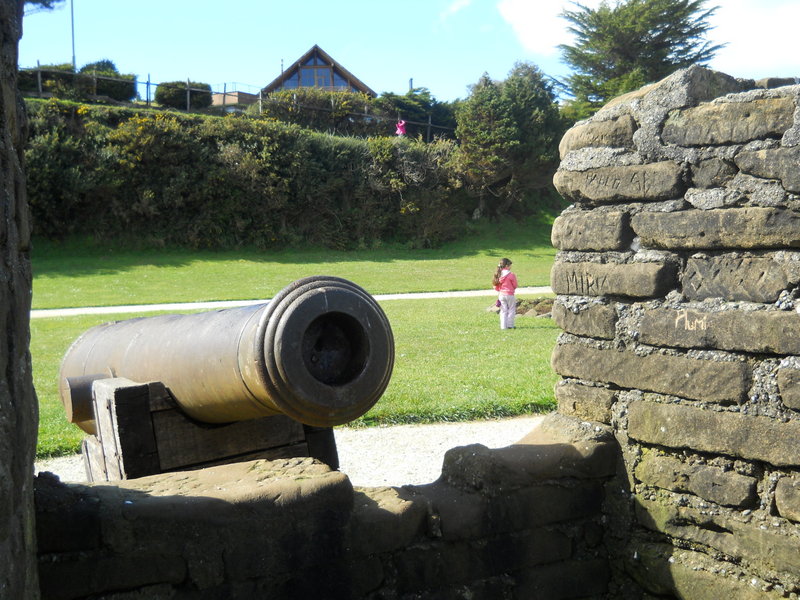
233	101
316	68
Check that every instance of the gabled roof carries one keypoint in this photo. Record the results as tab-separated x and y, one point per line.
352	81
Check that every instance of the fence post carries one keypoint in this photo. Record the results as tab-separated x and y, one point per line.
428	136
147	93
260	106
39	78
188	96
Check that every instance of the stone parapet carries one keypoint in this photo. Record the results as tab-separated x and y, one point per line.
684	337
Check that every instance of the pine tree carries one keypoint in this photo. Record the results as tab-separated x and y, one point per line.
618	48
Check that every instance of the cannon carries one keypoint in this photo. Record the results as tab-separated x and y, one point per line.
321	352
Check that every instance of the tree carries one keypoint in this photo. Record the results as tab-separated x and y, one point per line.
619	48
173	94
108	81
18	406
34	6
508	133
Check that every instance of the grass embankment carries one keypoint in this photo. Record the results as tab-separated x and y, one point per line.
452	361
84	274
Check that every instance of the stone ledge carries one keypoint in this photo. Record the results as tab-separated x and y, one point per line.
635	280
720	123
636	183
744	228
584	401
733	278
710	483
779	163
767	332
704	380
614	133
592	231
559	446
595	320
764	549
665	570
728	433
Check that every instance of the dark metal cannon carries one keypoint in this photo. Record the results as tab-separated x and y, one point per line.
320	352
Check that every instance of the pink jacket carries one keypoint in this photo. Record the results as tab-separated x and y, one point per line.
508	283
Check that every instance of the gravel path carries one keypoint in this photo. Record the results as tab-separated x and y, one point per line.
378	456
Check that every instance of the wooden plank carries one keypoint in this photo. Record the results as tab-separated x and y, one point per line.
94	462
124	428
322	445
182	441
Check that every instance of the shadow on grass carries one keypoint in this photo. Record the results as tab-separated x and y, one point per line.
83	256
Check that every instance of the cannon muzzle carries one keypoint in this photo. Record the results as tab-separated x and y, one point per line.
321	352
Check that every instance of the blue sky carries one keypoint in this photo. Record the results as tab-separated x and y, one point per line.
444	45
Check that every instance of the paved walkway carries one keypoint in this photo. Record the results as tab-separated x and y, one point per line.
181	306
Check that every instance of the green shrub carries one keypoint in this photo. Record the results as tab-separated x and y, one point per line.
108	81
173	94
214	182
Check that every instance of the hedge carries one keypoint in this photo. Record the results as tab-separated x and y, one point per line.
162	178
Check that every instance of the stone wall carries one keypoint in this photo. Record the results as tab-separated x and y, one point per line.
519	522
677	280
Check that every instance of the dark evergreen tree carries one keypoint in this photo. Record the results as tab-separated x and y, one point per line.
508	133
620	47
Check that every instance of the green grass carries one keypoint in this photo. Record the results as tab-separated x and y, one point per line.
452	363
80	273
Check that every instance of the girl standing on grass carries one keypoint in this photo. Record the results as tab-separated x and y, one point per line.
505	282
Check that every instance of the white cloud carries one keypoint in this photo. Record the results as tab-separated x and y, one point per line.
453	8
761	37
760	34
537	24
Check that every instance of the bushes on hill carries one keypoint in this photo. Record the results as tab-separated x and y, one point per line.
205	182
100	78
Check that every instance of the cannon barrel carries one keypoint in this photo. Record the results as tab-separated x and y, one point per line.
321	352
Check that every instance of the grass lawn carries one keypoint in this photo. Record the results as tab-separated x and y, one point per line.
80	273
452	363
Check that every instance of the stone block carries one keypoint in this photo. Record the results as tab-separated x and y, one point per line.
81	575
705	380
558	447
592	231
584	401
543	504
776	163
566	579
386	519
787	498
636	280
594	320
789	387
762	331
710	483
721	123
712	173
729	433
631	183
743	228
664	570
613	133
764	548
735	278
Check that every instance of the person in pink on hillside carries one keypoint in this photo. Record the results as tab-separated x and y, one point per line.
505	282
